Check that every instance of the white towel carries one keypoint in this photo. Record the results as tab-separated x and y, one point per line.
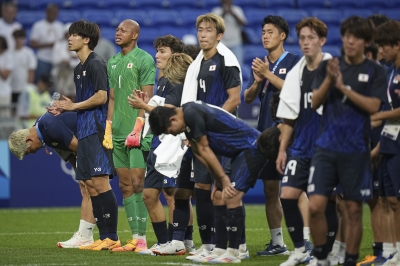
154	101
289	105
189	93
170	154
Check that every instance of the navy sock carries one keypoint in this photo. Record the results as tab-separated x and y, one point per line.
98	216
221	235
243	237
161	232
181	218
205	214
294	221
235	226
333	223
170	231
350	260
378	248
110	212
189	232
321	252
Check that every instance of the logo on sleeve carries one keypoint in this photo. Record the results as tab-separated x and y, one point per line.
363	77
282	71
212	68
129	65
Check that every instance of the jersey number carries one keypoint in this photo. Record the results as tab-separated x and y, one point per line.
307	99
202	84
291	165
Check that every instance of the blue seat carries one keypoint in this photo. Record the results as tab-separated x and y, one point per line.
149	4
101	17
251	3
281	4
292	38
25	5
292	16
139	16
175	31
357	12
108	33
332	49
246	72
165	17
42	4
312	4
210	4
255	16
391	13
374	4
85	4
66	16
334	37
27	18
189	16
342	4
331	17
179	4
253	36
117	5
253	51
294	49
148	35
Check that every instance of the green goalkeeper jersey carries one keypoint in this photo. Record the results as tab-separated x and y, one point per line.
126	73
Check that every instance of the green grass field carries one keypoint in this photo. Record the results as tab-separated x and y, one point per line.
29	237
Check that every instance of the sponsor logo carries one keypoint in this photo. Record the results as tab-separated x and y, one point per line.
202	227
233	228
97	169
141	219
365	192
106	215
175	224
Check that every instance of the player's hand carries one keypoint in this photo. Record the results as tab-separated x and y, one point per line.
135	100
397	92
54	111
133	139
228	191
107	141
339	81
65	105
332	68
281	162
214	189
257	77
375	117
187	143
260	67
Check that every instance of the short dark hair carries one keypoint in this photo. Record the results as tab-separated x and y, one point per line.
159	119
3	43
360	27
175	44
313	23
379	19
20	33
192	50
388	33
279	22
268	143
86	29
373	49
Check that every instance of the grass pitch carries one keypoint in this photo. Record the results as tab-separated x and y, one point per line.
29	237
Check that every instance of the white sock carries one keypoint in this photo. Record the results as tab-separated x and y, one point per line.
306	233
342	250
387	249
135	236
398	248
141	237
188	242
242	248
335	247
277	236
86	228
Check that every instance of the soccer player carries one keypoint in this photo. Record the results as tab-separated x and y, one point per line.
388	39
59	133
267	78
130	69
94	161
300	127
154	183
212	131
350	88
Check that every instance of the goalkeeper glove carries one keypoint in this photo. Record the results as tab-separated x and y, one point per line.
133	139
107	142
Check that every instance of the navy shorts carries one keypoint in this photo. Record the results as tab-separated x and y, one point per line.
184	179
352	171
269	172
390	178
296	173
201	174
92	158
153	178
246	168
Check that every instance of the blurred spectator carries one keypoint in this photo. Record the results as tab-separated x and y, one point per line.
8	24
33	101
25	64
105	49
64	61
44	34
234	21
6	66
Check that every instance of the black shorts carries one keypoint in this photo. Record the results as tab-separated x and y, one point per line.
390	179
269	172
201	174
184	179
153	178
92	158
296	173
352	171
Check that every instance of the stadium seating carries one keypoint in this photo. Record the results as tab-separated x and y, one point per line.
344	4
356	12
108	33
332	49
281	4
86	4
180	4
101	17
253	36
117	5
25	5
148	35
42	4
188	16
334	37
27	18
251	3
292	16
391	13
253	51
149	4
140	17
177	32
294	49
312	4
160	17
210	4
373	4
66	16
331	17
255	16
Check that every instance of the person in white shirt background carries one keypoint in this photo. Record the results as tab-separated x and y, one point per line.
44	34
6	67
64	61
234	21
8	24
25	63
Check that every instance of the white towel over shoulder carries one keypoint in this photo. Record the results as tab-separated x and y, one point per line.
289	105
154	101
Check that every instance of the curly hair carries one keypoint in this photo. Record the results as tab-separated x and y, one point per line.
175	44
